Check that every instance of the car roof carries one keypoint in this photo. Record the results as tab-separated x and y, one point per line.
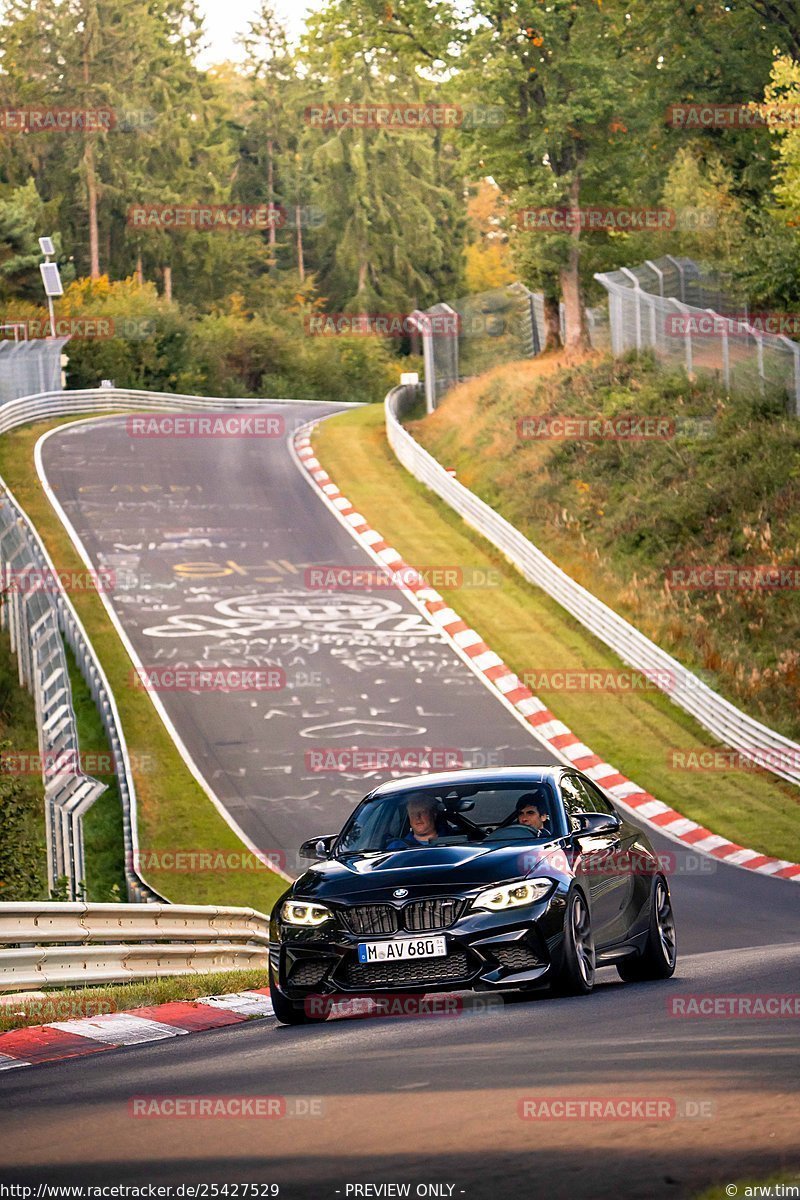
439	779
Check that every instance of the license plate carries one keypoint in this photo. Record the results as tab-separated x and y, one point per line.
402	948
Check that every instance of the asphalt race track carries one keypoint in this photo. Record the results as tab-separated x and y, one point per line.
407	1101
208	544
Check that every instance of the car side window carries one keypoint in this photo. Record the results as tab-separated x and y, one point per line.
595	800
574	800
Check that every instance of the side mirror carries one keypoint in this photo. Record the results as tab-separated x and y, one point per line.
594	824
318	847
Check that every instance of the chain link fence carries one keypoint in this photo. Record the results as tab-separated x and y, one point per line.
471	335
467	336
724	721
28	367
688	318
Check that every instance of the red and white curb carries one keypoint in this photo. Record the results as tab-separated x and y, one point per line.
108	1031
542	723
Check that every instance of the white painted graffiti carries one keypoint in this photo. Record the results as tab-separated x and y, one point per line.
372	620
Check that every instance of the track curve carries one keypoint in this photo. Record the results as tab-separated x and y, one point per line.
403	1100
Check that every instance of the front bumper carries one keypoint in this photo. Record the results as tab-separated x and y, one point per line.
485	952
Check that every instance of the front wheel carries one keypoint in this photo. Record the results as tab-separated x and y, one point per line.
660	953
286	1011
576	974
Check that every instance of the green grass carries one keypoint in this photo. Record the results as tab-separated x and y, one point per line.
619	515
103	839
529	630
71	1003
175	814
23	842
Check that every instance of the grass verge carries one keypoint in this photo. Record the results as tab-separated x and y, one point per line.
632	518
634	731
69	1004
103	838
175	814
23	841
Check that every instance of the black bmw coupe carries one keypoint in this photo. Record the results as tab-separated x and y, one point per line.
486	880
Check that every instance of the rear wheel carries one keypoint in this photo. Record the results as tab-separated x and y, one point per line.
660	953
576	974
286	1011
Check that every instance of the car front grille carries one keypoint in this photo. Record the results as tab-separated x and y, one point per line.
424	915
307	972
370	918
418	916
516	958
451	969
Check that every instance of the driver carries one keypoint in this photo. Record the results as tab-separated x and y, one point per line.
422	811
532	813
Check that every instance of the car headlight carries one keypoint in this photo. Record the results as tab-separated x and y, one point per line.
295	912
513	895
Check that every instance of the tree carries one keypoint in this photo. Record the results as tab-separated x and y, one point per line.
782	97
488	260
132	60
780	19
21	213
273	123
769	263
569	78
393	206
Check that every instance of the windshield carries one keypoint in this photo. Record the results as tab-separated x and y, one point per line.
454	816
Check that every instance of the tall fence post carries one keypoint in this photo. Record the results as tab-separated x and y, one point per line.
537	345
421	322
795	352
659	274
637	291
687	335
681	275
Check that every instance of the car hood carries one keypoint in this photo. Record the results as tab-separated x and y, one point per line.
427	871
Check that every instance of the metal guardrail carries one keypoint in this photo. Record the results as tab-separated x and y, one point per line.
764	746
51	943
118	400
36	612
39	616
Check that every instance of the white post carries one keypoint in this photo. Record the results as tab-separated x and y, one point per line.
679	267
637	287
653	267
